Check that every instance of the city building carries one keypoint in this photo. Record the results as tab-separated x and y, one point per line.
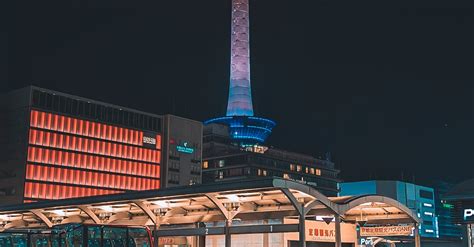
56	145
448	229
244	128
224	160
419	199
461	197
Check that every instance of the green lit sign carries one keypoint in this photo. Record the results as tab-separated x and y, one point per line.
184	148
446	205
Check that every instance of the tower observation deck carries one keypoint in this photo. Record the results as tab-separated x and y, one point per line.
245	129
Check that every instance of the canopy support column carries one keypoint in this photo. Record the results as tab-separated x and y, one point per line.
417	235
337	220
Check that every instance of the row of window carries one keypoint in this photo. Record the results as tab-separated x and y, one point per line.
89	178
309	170
91	162
104	113
62	141
81	127
52	191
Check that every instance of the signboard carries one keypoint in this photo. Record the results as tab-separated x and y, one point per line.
463	212
319	231
366	242
382	231
151	140
172	241
184	148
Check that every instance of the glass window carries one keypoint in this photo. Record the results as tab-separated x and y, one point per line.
138	237
298	168
426	194
292	167
221	163
205	164
318	172
115	237
93	236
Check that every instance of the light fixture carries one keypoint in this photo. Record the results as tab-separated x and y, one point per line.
233	198
161	204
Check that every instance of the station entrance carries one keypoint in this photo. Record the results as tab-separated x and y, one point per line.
265	212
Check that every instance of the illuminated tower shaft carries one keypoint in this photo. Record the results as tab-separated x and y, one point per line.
240	93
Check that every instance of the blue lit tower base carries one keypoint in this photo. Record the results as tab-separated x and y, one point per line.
246	130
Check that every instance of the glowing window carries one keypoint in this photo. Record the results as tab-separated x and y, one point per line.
292	167
298	168
318	172
205	164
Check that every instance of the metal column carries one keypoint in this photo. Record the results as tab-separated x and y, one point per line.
228	236
417	235
337	220
302	231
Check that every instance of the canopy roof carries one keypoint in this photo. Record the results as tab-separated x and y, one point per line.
268	198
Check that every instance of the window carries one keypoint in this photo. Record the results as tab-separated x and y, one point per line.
285	176
306	169
298	168
426	194
318	172
205	164
221	163
292	167
312	170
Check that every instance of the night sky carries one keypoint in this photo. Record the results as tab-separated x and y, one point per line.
385	86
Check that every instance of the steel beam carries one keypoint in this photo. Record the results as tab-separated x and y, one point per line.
147	211
89	213
43	217
250	229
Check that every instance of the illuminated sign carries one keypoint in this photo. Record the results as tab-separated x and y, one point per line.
386	231
184	148
366	242
468	214
149	140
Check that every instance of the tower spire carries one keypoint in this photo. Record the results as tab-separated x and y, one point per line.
240	94
244	128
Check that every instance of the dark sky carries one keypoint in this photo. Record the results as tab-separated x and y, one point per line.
385	86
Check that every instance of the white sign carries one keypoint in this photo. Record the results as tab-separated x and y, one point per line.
469	212
386	231
149	140
366	242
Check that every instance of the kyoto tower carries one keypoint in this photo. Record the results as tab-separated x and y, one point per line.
245	128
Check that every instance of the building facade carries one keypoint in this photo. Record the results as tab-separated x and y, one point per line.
62	146
224	160
420	199
461	197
